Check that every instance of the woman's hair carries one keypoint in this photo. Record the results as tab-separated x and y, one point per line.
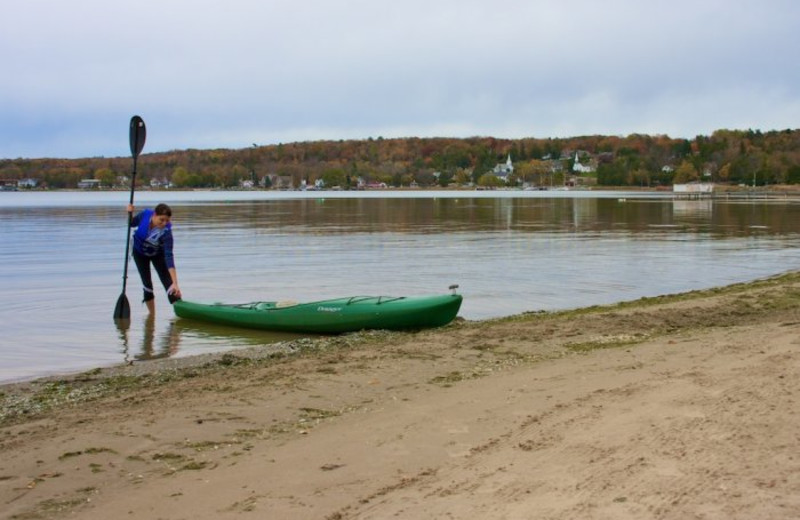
163	209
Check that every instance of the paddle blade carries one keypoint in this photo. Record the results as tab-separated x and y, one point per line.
138	134
123	309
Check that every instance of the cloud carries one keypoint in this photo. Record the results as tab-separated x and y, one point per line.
205	74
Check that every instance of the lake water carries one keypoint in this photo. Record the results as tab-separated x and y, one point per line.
510	252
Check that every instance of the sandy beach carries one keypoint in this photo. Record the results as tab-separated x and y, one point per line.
677	407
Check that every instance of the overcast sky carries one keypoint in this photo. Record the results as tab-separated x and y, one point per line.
233	73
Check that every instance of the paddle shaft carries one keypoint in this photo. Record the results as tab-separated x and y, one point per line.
128	230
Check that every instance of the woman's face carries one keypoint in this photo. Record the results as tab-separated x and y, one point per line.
160	221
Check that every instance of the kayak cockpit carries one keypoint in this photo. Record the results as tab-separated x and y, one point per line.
274	306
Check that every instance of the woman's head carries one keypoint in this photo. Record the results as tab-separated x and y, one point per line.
162	214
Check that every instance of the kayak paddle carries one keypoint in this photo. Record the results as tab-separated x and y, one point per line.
138	133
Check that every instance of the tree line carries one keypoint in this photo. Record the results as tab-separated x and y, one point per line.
747	157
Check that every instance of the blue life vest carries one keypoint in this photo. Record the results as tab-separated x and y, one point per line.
152	241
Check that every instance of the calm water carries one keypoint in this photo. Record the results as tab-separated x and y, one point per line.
510	252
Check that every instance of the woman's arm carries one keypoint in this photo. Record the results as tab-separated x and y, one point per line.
170	260
173	273
134	220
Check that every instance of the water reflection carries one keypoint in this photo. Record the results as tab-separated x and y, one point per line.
167	345
237	337
123	326
347	216
692	208
152	346
145	343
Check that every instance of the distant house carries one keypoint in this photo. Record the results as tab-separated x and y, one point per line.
579	168
693	190
504	170
160	183
89	184
8	185
278	182
27	183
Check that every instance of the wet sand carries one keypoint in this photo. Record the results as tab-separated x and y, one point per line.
676	407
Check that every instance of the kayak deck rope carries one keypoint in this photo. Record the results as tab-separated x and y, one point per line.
266	306
380	299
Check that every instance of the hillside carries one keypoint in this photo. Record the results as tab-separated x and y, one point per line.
727	156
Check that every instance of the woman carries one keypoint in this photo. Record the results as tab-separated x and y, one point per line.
152	243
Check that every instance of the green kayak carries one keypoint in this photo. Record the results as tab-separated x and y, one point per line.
330	316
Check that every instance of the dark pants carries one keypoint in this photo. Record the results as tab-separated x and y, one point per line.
160	265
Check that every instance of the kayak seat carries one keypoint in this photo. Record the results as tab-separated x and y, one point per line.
271	306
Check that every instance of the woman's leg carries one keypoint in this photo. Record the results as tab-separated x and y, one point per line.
160	265
143	266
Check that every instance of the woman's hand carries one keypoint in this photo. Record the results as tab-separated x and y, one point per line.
130	208
175	291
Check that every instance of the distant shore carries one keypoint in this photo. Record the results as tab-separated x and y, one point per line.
789	189
720	192
671	407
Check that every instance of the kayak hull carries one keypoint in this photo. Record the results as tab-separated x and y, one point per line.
330	316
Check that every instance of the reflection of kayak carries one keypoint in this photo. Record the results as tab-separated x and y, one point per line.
216	336
330	316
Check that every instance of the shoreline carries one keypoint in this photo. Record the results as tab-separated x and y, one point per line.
149	366
286	348
666	407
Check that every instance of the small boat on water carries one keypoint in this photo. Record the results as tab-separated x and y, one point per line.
331	316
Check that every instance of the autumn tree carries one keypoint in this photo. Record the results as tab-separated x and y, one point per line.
525	171
334	177
490	180
611	174
686	172
462	176
181	177
793	175
724	173
425	178
640	177
106	177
